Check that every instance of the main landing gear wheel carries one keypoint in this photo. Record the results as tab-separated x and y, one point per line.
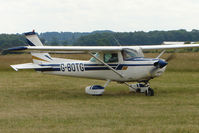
149	92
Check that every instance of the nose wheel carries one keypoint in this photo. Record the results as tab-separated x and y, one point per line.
149	92
141	88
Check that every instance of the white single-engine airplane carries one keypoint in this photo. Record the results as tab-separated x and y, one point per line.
122	64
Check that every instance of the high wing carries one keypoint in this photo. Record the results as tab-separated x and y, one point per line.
85	49
68	49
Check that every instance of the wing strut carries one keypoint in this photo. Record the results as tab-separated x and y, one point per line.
106	65
160	54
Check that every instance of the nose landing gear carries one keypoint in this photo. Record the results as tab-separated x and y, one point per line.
149	92
141	88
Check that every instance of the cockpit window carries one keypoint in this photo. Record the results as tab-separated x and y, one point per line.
129	53
110	57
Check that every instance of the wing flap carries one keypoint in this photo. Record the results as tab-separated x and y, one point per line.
28	66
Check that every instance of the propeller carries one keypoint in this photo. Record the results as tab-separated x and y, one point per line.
161	63
170	57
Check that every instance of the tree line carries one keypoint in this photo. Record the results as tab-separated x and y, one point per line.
138	38
102	38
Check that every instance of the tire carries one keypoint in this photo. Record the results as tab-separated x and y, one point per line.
150	92
138	90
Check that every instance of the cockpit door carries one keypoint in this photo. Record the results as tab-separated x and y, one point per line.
111	57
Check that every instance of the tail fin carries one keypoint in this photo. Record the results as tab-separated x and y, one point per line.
33	40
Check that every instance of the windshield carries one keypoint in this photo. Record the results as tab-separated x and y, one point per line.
129	53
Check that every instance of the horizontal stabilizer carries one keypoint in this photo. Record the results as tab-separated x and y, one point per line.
28	66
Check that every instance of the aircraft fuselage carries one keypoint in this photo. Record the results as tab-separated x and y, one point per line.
139	69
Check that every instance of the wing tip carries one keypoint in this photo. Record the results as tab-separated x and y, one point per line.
17	48
10	50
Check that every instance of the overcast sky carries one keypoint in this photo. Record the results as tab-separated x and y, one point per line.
18	16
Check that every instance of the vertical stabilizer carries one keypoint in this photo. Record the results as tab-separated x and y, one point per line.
33	40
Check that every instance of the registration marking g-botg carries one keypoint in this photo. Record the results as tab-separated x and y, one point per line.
72	67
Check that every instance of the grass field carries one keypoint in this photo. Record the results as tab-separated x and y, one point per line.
31	102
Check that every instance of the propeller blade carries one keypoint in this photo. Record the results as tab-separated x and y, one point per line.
170	57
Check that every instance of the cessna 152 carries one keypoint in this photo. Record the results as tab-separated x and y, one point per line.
122	64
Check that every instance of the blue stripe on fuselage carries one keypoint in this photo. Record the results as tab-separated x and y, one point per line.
47	69
97	68
122	65
141	59
49	64
92	67
99	64
117	68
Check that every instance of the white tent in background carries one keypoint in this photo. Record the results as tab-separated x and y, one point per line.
177	43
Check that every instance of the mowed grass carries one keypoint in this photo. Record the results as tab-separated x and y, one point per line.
32	102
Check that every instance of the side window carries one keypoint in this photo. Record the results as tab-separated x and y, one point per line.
110	57
93	59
